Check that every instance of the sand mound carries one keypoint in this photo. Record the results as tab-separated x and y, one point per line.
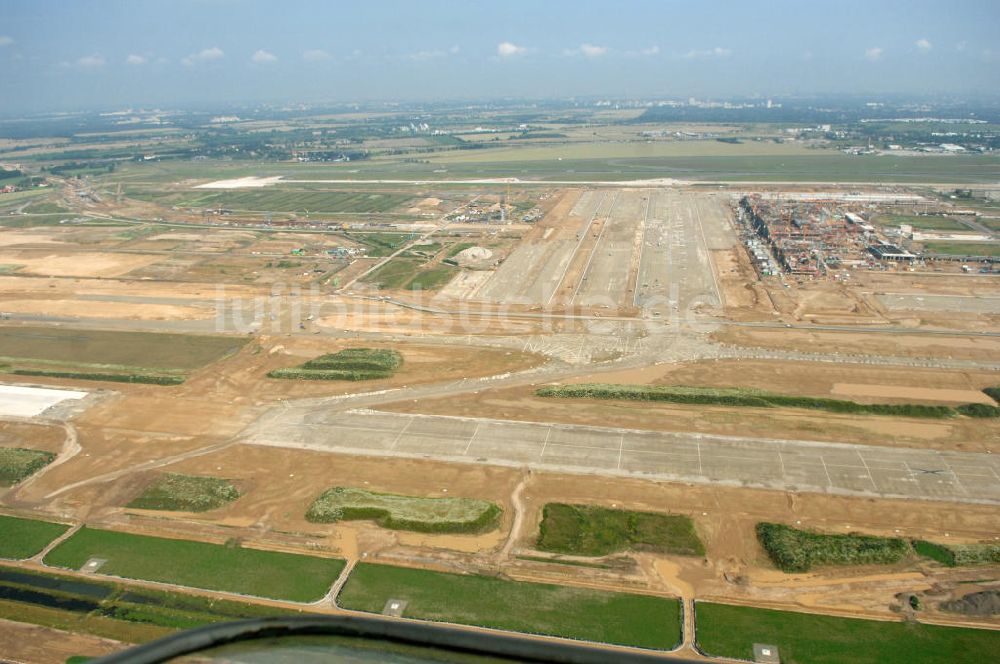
473	255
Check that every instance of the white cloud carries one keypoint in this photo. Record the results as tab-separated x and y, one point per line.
717	52
923	44
433	54
316	55
134	59
95	60
204	55
961	46
262	57
651	51
509	50
591	51
874	53
5	40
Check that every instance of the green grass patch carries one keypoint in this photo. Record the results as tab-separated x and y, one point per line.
588	530
149	379
740	397
431	515
535	608
347	364
958	555
963	248
226	568
794	550
394	275
19	463
565	561
186	493
113	609
128	352
731	631
23	538
432	278
921	222
456	249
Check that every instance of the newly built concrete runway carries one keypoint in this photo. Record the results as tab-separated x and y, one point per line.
690	457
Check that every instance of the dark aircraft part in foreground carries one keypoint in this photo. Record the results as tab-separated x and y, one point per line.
442	639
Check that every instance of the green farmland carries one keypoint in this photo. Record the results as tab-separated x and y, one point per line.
148	357
575	613
588	530
23	538
731	631
227	568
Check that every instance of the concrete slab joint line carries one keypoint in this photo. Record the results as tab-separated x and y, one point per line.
824	467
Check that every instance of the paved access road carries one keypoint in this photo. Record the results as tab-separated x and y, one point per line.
690	457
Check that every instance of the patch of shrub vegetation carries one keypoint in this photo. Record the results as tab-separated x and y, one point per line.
744	397
388	510
19	463
589	530
186	493
150	379
957	555
794	550
993	392
978	410
348	364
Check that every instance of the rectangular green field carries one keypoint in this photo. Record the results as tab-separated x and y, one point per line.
731	631
922	222
590	530
963	248
203	565
113	349
23	538
642	621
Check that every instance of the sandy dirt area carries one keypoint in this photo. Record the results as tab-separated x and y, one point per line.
897	344
77	264
16	238
33	644
520	403
117	310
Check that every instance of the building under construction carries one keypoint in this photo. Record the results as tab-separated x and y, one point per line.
808	238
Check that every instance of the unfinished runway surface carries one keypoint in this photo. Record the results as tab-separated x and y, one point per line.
690	457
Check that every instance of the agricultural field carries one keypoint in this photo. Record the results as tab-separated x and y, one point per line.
731	631
588	530
157	358
347	364
23	538
19	463
186	493
794	550
228	568
435	515
592	615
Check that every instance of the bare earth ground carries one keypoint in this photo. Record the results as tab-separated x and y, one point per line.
899	344
520	403
32	644
194	428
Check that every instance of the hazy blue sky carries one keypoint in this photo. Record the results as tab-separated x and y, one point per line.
90	53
